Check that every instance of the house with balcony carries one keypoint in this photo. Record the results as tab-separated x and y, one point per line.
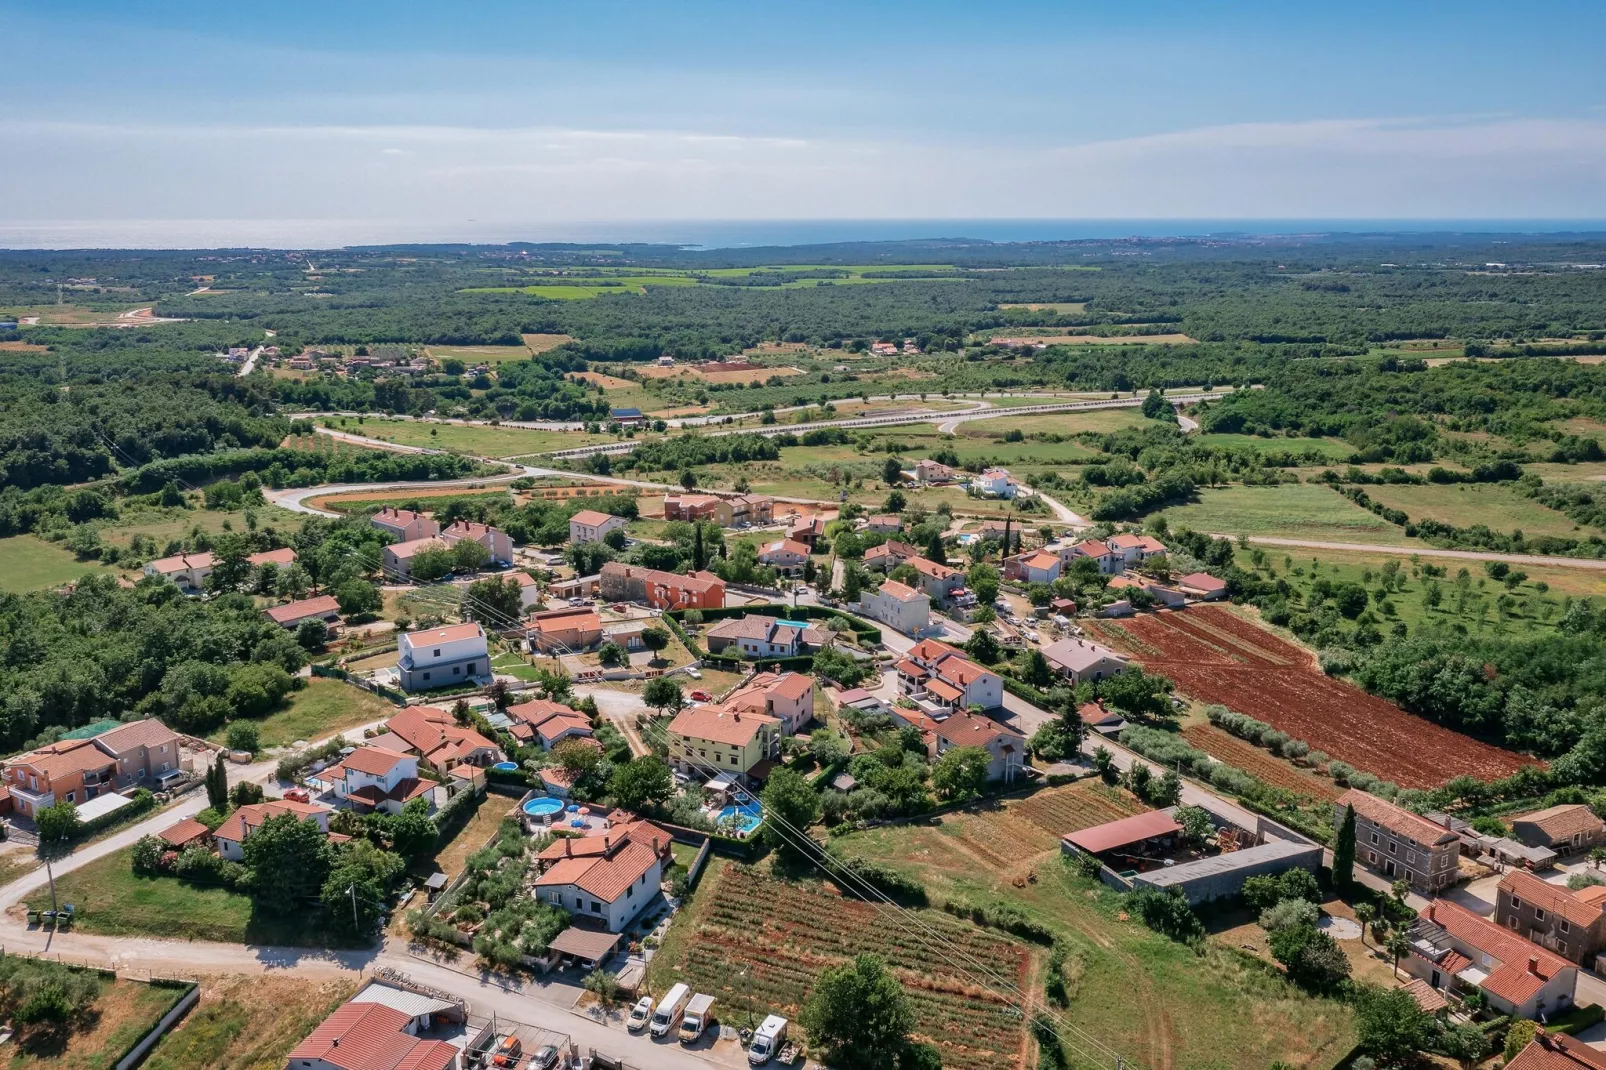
898	606
787	696
661	590
143	751
940	582
889	555
589	525
698	507
945	676
785	556
751	510
609	881
995	483
1456	951
435	736
76	770
1135	549
729	739
442	657
1110	562
1033	566
376	778
1005	747
934	473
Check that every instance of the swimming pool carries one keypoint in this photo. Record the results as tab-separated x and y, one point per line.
543	807
506	767
745	818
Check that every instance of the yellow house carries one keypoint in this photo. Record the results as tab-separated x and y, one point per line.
723	738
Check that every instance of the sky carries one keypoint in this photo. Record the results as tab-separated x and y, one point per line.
476	118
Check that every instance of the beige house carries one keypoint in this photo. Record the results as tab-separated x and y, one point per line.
1006	746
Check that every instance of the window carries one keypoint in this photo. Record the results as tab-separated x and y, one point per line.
437	653
1563	926
1512	921
1394	848
1374	837
457	670
1410	857
141	775
1561	945
426	675
1539	915
1516	904
71	796
1371	856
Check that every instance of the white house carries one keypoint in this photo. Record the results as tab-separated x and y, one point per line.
243	822
404	524
943	674
497	543
755	635
375	778
529	589
1034	566
397	558
441	657
1135	549
938	581
589	525
899	607
786	556
190	571
788	697
1005	747
609	883
1110	562
995	483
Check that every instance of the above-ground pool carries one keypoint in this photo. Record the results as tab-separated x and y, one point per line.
506	767
746	817
543	807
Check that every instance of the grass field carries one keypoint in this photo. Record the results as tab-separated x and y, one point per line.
125	1011
1336	449
320	709
357	503
1289	510
112	901
248	1022
166	525
472	355
1098	421
476	439
29	563
1464	504
1156	1002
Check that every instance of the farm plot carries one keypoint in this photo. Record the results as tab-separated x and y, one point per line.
1258	763
1215	656
1074	807
772	938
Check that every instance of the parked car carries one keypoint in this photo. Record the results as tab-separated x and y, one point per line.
701	696
640	1014
508	1052
545	1058
694	674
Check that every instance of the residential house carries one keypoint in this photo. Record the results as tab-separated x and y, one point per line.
1454	949
884	523
440	657
190	571
1572	828
375	778
714	735
1551	916
627	417
785	556
498	543
1083	659
1110	562
564	631
1121	607
788	697
1135	549
1203	586
548	722
371	1036
589	525
898	606
77	770
995	483
143	751
757	636
626	633
940	582
1170	597
291	615
932	472
889	555
397	558
435	736
698	507
186	833
239	826
945	675
807	530
1034	566
748	510
883	349
529	589
661	590
404	525
1006	746
1557	1051
1098	719
1393	842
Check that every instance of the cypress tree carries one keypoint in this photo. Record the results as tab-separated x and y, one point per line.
1344	852
698	560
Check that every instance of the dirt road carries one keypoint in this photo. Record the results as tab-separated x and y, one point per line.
1426	551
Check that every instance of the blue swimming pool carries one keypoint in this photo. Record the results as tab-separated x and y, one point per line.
506	767
543	807
746	817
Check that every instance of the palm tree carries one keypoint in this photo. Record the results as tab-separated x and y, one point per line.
1398	944
1597	855
1365	913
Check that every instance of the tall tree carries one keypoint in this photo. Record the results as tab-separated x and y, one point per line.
699	557
934	550
790	807
1344	852
217	786
289	859
859	1015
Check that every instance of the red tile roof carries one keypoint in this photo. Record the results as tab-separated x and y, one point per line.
282	556
1396	819
1202	581
591	518
241	822
182	833
1122	833
321	606
719	725
449	634
375	761
1513	979
144	733
1557	1051
370	1036
539	710
1562	822
901	591
606	878
1552	897
930	650
969	730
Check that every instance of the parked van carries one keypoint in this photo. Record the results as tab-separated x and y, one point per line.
698	1013
670	1009
768	1040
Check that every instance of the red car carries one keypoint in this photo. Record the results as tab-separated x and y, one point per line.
298	795
701	696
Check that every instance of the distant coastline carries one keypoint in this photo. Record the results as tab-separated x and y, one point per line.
715	234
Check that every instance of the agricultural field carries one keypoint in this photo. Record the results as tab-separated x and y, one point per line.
322	708
1258	762
479	440
1215	656
248	1022
1332	448
749	933
124	1012
1155	1001
364	501
1493	505
1288	511
29	563
1097	421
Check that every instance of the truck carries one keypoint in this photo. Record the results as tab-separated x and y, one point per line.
698	1013
670	1009
767	1040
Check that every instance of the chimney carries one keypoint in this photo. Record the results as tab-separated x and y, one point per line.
1433	912
1533	965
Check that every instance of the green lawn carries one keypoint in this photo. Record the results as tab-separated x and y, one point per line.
1492	504
29	563
1289	510
167	525
472	355
1333	448
112	901
481	441
320	709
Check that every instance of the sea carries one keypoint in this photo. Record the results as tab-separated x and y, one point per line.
708	234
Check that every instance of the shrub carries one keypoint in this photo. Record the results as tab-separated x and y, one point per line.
1288	913
1167	913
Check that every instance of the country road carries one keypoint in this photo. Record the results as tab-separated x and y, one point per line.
1426	551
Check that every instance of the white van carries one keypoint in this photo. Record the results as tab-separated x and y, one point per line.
670	1009
768	1040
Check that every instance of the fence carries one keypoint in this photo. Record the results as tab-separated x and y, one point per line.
143	1046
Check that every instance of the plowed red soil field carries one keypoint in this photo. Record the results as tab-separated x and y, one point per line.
1214	656
1259	763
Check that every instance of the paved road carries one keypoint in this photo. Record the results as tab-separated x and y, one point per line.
1427	551
250	362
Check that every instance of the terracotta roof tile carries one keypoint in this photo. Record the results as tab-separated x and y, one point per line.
1396	819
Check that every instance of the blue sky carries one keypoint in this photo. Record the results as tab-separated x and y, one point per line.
538	112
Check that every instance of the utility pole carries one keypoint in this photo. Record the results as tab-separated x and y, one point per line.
353	890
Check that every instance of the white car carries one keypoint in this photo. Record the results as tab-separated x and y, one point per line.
640	1015
694	674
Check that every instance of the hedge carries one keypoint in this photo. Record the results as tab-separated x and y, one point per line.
1025	691
140	802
